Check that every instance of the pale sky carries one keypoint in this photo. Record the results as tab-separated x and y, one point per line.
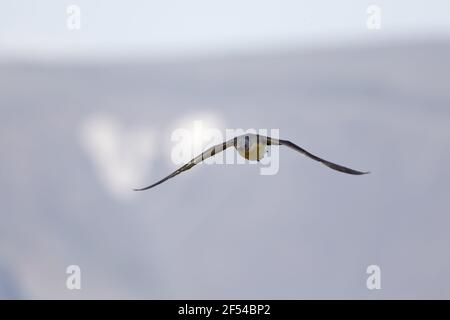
181	27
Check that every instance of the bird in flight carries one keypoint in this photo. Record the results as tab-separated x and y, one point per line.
251	147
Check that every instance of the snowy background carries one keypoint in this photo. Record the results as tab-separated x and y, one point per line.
87	115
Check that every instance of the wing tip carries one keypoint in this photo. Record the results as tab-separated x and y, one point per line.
142	189
362	172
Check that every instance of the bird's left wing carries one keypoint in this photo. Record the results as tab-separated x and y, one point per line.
203	156
329	164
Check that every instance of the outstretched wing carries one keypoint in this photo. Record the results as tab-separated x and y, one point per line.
204	155
325	162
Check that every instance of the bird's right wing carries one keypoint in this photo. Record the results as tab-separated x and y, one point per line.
203	156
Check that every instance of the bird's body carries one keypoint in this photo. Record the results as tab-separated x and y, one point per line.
252	147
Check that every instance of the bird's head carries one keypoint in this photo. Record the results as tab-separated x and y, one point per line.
247	142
